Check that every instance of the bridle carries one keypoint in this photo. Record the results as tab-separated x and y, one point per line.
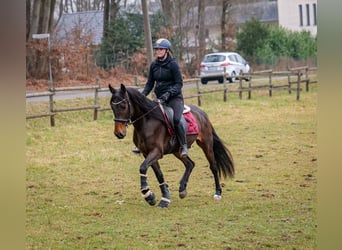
129	121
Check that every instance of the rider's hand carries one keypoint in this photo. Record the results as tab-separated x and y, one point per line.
163	98
157	100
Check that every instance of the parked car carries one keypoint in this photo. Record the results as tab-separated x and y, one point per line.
215	63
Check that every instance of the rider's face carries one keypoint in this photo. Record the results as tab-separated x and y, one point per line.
160	52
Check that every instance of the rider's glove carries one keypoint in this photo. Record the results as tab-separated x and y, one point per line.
164	97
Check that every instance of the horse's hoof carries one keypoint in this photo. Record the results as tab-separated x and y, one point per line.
152	202
151	199
217	197
183	194
164	203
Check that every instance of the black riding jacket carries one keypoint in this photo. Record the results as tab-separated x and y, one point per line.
166	76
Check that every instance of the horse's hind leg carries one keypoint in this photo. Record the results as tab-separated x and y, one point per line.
189	165
165	199
209	154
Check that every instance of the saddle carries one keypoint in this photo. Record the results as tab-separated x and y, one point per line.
188	119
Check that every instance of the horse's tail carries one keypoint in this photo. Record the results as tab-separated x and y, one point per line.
223	157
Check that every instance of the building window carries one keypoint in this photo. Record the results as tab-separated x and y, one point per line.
300	15
308	14
314	14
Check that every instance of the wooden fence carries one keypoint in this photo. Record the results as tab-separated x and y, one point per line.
261	80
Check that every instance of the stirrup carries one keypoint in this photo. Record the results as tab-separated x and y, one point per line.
136	150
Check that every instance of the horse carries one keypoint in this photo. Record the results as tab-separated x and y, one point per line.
152	136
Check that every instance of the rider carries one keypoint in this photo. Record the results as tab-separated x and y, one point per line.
165	75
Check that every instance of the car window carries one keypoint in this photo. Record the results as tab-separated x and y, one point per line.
214	58
240	59
232	58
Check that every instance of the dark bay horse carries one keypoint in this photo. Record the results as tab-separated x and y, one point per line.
152	137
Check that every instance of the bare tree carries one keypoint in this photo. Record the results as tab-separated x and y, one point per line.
39	20
167	8
111	8
28	19
227	24
201	28
105	18
147	29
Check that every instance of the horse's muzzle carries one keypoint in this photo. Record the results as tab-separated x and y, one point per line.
119	130
119	135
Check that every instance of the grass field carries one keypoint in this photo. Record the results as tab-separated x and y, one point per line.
83	187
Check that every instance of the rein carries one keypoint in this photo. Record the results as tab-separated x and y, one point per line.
129	121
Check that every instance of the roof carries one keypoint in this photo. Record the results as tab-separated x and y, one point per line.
241	13
222	53
263	11
88	22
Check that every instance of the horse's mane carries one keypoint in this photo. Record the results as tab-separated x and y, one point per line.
146	105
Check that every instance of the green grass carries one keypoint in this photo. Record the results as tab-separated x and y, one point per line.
83	189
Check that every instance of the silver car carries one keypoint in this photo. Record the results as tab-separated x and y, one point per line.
214	64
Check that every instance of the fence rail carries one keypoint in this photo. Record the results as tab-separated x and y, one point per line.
260	80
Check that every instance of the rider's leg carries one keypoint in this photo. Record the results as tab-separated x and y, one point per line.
177	105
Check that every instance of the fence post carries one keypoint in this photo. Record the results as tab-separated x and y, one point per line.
198	79
224	85
240	88
52	114
289	79
96	99
307	78
298	84
249	87
270	83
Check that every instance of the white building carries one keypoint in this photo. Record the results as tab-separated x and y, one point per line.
298	15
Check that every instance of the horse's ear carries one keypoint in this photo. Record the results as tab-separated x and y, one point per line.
111	88
123	88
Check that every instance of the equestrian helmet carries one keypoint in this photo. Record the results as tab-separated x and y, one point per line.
162	43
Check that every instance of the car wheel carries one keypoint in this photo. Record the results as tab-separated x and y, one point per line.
232	78
220	80
204	81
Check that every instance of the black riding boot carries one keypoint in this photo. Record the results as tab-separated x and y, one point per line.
181	130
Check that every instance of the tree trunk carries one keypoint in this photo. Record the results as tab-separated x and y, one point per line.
28	19
201	19
51	18
35	17
147	29
227	25
114	8
105	18
167	9
223	24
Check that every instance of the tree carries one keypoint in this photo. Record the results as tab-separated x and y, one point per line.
167	7
39	20
111	8
265	44
251	37
201	18
124	37
227	25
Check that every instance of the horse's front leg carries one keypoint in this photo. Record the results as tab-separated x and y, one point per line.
149	196
166	198
189	165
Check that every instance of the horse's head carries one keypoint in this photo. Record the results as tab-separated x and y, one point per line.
120	105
